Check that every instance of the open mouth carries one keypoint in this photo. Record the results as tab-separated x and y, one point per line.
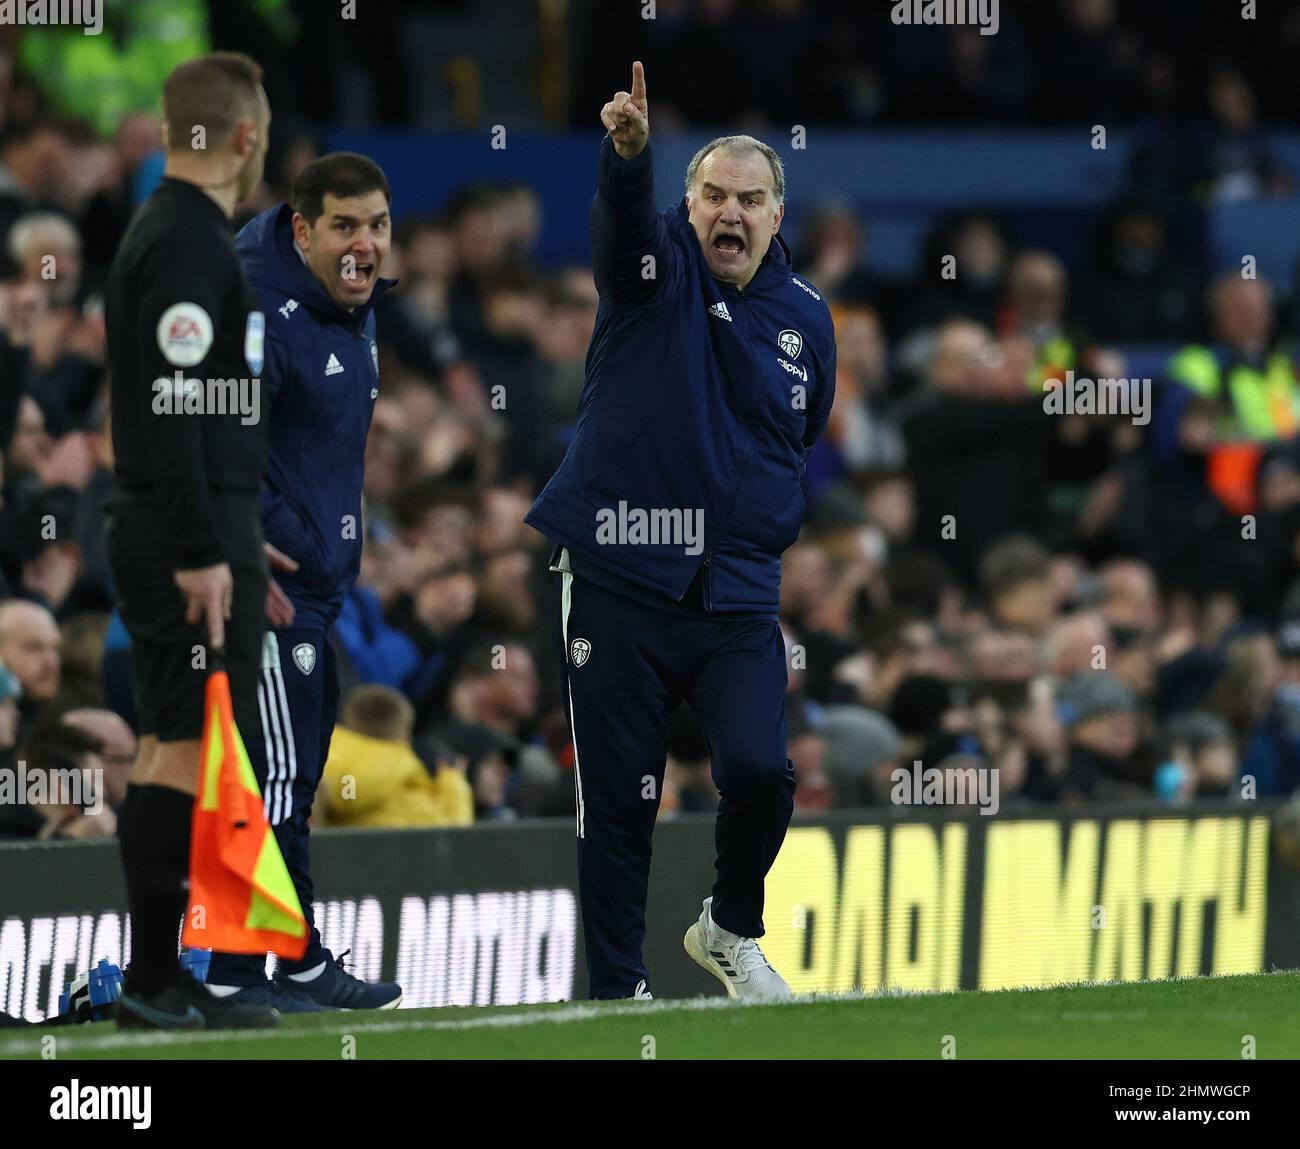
728	244
360	276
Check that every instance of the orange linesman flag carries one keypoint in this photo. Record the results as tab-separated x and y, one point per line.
242	899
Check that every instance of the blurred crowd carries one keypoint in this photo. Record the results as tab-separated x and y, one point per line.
1100	604
768	63
1049	63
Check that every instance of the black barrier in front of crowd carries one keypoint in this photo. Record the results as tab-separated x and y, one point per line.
866	900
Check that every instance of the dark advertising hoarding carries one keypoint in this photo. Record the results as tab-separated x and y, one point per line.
858	900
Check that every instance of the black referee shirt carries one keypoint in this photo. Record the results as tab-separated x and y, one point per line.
179	310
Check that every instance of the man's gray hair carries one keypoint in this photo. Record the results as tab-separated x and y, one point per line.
41	225
739	145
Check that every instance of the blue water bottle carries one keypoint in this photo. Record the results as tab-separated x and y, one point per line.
105	986
196	962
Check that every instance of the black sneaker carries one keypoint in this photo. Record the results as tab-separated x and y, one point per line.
335	988
280	996
187	1005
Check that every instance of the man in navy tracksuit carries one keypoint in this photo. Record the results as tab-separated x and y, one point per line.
710	375
315	266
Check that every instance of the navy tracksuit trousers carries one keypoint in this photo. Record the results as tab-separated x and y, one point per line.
627	666
298	696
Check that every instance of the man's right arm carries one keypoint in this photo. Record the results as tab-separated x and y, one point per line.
281	525
630	247
631	252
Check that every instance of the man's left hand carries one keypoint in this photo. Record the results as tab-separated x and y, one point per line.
279	610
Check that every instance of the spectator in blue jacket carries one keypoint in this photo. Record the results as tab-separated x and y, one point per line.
1272	756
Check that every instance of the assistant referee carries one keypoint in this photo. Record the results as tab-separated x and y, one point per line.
184	535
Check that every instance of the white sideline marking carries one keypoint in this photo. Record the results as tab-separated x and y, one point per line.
572	1013
23	1046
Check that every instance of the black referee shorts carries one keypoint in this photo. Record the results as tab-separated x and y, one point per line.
169	674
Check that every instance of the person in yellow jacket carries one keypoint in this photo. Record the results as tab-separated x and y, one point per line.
1249	378
373	777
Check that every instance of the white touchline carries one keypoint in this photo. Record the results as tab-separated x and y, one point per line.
518	1020
30	1046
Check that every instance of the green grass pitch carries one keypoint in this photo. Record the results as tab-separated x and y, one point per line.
1197	1018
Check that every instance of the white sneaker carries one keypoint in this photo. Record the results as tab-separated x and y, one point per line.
641	993
737	962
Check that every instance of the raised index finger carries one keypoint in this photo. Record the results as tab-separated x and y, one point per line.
638	82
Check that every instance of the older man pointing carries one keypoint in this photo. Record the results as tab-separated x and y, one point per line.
710	375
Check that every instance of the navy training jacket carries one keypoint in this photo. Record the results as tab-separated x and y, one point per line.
698	398
319	385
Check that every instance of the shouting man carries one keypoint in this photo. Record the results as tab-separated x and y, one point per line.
711	373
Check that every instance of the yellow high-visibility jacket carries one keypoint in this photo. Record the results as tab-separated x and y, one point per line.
378	782
1265	403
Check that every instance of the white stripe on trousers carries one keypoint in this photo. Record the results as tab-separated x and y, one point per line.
276	767
292	751
270	748
566	595
281	753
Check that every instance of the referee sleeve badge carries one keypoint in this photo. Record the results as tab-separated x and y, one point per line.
184	334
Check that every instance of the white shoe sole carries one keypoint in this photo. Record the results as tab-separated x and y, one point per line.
699	952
